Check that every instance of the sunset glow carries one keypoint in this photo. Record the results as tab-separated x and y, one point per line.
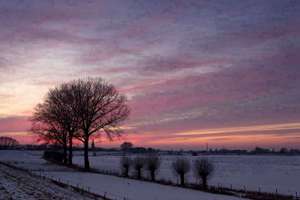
194	72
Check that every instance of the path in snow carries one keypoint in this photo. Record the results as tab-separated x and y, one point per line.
19	185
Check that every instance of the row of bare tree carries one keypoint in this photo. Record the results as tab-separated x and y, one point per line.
79	110
202	168
151	163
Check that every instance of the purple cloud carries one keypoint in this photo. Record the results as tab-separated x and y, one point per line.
185	65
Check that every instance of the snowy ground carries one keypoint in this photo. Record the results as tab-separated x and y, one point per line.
264	173
19	185
113	187
120	188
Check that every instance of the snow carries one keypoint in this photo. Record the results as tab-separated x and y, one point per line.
121	188
264	173
30	160
112	187
19	185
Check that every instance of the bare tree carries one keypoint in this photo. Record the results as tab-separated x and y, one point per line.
203	169
99	108
47	130
152	165
54	119
138	164
125	165
63	103
125	146
181	166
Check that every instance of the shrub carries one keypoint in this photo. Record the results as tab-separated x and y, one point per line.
125	165
8	143
55	156
181	166
152	165
203	169
138	164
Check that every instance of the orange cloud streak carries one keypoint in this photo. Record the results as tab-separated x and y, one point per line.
229	137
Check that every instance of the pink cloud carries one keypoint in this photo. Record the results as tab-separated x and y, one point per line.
14	124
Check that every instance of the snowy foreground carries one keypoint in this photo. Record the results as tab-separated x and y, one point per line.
121	188
112	187
263	173
19	185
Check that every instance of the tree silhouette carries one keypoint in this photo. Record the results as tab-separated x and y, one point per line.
152	165
54	120
125	165
203	169
8	142
125	146
93	147
138	164
181	166
99	108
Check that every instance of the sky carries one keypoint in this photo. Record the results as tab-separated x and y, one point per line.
223	73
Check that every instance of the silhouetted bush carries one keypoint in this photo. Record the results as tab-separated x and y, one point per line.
181	166
138	164
125	165
125	146
55	156
152	165
203	169
8	143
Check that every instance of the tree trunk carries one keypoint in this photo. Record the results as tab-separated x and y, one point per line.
86	154
204	182
65	149
139	174
126	172
182	179
71	149
152	175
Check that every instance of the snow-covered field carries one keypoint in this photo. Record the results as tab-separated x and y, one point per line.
118	188
264	173
19	185
112	187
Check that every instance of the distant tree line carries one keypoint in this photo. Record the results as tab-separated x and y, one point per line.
255	151
128	147
80	110
8	143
